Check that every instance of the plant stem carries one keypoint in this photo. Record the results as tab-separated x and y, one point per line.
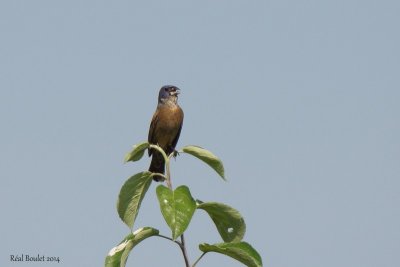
201	256
166	237
184	252
169	185
166	159
181	246
168	173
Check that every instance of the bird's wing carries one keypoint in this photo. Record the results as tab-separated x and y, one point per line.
153	126
175	141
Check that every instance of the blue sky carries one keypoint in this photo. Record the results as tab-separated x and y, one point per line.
300	99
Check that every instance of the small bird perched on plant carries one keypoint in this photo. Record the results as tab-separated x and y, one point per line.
165	127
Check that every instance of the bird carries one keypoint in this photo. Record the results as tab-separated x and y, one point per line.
165	128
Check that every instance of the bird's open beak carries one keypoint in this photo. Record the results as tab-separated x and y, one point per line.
176	92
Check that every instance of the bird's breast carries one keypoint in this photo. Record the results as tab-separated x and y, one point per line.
170	119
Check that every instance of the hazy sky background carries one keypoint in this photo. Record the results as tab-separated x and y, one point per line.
300	99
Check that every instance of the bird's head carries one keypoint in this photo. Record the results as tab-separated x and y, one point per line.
168	94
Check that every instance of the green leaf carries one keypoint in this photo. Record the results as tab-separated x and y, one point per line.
131	196
240	251
177	207
137	152
229	222
207	157
118	255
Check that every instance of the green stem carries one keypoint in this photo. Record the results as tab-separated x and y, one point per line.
168	174
201	256
181	246
166	159
159	149
169	184
165	237
170	239
184	252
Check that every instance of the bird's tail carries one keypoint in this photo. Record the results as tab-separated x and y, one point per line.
157	165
